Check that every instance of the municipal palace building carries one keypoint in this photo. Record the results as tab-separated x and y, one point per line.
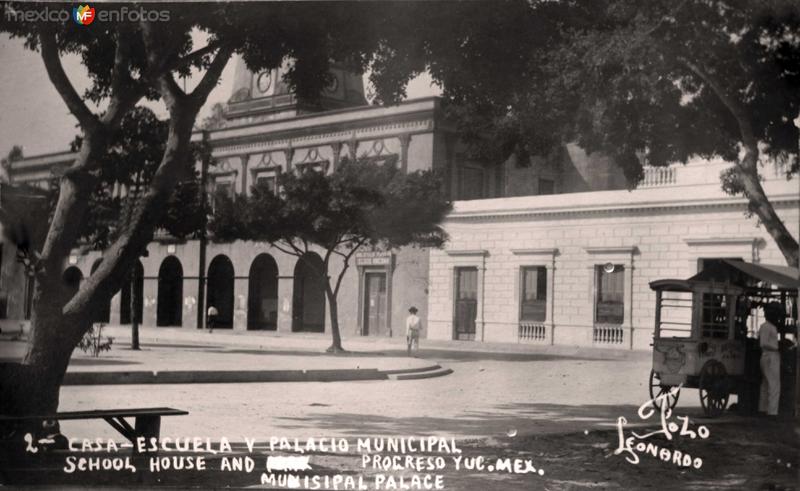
558	252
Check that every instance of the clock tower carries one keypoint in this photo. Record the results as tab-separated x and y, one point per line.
265	96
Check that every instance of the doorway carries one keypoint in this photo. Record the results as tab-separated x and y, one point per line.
375	301
466	303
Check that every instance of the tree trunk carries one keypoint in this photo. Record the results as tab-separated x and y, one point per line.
759	204
134	320
336	344
32	386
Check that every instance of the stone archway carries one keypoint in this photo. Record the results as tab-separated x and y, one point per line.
170	293
103	313
308	295
138	296
72	278
262	294
219	291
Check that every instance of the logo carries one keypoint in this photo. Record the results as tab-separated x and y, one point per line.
674	357
83	15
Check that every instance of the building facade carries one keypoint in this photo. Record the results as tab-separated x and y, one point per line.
575	269
557	251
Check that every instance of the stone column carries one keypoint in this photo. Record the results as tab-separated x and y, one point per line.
149	310
405	140
285	290
189	316
240	291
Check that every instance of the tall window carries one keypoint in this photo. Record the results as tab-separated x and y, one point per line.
471	183
268	181
533	292
546	186
610	294
713	262
221	189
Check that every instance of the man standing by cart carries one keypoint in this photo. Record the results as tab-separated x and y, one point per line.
770	360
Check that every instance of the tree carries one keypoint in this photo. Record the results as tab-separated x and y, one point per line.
130	61
645	83
360	204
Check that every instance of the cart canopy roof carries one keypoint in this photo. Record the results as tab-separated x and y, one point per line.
743	273
738	273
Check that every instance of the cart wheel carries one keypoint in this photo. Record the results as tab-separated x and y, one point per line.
713	388
656	389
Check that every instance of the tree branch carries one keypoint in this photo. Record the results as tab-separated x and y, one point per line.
211	77
55	71
120	76
737	111
347	264
195	55
124	93
284	250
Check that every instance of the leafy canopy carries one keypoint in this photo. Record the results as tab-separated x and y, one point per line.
361	203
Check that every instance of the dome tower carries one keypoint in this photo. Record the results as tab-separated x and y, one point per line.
265	96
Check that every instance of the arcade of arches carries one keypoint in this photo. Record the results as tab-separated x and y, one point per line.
262	294
170	293
308	293
219	291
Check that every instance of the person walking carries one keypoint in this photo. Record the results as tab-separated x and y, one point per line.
211	318
413	327
770	360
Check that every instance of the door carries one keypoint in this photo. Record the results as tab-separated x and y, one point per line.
466	303
374	304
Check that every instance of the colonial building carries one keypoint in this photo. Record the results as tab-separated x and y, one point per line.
555	252
574	269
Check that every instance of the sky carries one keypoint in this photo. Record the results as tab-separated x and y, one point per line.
33	115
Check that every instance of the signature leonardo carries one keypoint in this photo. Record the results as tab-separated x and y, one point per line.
634	443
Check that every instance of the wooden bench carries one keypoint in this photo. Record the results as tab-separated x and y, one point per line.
147	422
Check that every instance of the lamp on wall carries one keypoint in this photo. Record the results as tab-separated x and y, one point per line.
609	267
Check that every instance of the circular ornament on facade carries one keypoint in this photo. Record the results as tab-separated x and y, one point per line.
333	85
609	268
264	81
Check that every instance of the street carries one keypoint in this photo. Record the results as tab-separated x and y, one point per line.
487	395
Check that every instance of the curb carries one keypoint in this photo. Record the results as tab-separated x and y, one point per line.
249	376
418	376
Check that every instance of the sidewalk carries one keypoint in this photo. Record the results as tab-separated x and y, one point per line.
177	355
319	342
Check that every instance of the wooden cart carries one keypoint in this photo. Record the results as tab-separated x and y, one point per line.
704	330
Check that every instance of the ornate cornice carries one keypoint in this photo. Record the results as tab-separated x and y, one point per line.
535	252
467	252
701	241
611	250
610	210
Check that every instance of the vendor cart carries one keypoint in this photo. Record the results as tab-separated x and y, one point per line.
704	332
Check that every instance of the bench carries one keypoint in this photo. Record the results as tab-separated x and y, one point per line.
147	422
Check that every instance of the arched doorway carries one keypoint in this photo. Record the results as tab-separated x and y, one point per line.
170	293
138	296
72	278
220	290
308	295
262	294
103	313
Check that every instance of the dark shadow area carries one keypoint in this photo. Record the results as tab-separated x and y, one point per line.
554	417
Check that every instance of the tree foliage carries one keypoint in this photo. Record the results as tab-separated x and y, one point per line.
361	204
129	165
649	83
